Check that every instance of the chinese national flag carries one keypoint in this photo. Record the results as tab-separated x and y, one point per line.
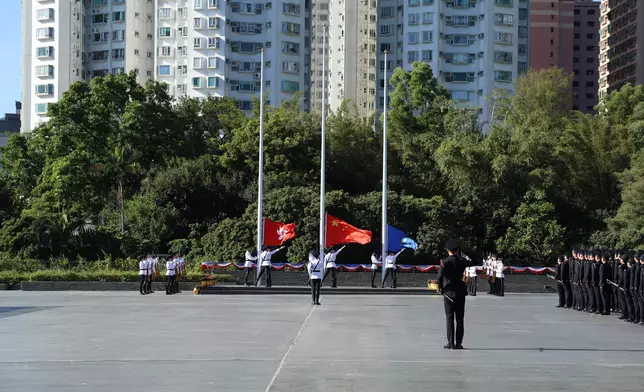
277	233
340	232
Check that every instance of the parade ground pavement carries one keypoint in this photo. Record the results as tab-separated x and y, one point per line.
121	341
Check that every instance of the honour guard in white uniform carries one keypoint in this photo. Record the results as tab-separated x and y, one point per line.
170	275
500	279
266	265
330	266
375	262
248	264
390	268
471	280
316	273
143	275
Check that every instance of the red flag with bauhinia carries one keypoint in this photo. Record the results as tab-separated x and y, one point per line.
340	232
277	233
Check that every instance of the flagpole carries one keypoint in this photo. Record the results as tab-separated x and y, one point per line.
260	180
384	175
323	151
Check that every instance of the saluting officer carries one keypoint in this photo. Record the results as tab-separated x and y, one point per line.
330	265
267	265
451	286
390	268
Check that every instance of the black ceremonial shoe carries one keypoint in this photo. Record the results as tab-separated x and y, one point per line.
458	346
318	303
448	346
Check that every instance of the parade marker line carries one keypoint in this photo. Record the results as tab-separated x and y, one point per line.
279	368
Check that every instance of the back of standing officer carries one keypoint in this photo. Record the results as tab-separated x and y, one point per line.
451	285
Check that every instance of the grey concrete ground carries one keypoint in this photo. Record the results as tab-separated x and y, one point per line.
119	341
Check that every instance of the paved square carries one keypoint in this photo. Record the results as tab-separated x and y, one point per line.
120	341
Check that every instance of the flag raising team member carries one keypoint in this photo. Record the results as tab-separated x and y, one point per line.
390	268
250	257
266	265
374	268
314	268
330	265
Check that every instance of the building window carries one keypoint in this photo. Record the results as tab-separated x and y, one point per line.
213	22
412	56
118	35
197	4
577	24
41	108
590	60
413	19
552	29
426	55
386	12
196	82
590	48
590	24
504	3
45	51
164	70
575	47
291	8
118	54
118	16
523	13
196	43
245	105
412	38
100	18
577	11
503	57
45	14
45	33
165	13
291	28
590	12
590	72
590	36
44	70
196	23
213	3
504	20
522	49
428	36
213	62
522	67
164	51
590	83
428	17
577	36
165	32
523	31
44	89
213	43
503	76
386	29
503	38
290	47
575	83
213	82
290	87
590	95
385	48
196	63
575	59
459	77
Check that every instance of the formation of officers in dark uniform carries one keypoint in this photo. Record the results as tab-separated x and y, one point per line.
602	282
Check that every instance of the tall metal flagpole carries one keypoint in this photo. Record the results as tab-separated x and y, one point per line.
384	176
323	151
260	181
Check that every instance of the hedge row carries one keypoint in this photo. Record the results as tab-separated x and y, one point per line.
13	277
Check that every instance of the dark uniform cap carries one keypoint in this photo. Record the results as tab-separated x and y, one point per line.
452	244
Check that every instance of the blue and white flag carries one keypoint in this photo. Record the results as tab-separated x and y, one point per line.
397	239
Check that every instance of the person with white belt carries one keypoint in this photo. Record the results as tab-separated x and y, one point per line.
143	275
266	265
316	272
170	274
500	279
374	268
471	280
390	267
248	264
330	266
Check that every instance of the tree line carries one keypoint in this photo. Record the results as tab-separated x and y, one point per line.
121	170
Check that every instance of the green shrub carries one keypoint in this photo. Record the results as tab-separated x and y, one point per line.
75	275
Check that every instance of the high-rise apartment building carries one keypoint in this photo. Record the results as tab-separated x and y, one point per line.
319	23
213	48
551	34
621	44
472	46
65	41
585	56
352	54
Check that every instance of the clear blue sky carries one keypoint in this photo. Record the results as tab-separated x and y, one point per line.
10	74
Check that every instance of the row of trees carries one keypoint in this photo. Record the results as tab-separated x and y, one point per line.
123	169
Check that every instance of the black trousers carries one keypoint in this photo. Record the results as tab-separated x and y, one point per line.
629	305
636	306
606	294
392	272
568	294
622	304
334	279
562	295
455	312
499	287
247	274
373	277
265	269
471	288
489	282
142	284
599	304
169	285
315	290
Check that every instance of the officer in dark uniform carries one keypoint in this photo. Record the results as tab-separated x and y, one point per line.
451	286
560	287
605	288
565	277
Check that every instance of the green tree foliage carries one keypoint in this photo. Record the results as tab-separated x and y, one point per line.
122	169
